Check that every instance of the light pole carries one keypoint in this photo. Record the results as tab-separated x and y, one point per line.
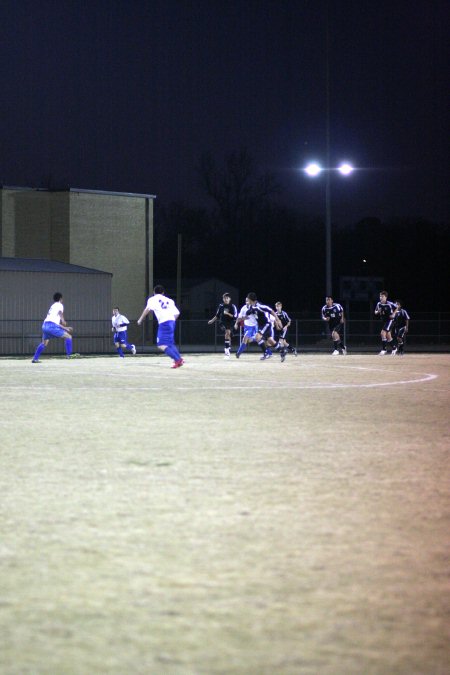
313	170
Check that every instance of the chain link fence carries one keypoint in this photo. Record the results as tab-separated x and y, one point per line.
430	332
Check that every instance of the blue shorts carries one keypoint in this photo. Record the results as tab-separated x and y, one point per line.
121	337
166	332
51	330
250	332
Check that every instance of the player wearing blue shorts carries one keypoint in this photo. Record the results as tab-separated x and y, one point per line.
250	325
166	313
55	326
119	327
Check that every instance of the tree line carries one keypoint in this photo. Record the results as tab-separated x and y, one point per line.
250	239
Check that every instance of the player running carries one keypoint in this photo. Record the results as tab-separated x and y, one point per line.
55	326
280	334
119	327
166	313
400	327
226	314
333	314
385	311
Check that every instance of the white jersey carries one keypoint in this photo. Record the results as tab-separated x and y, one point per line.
120	323
250	320
54	313
163	307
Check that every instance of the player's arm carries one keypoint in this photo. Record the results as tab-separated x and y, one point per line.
213	319
143	315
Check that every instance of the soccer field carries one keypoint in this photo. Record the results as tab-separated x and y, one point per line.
228	517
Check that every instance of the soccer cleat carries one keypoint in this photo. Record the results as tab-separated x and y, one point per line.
382	353
295	353
73	356
237	355
227	352
178	364
335	353
35	361
394	351
133	349
283	356
265	356
344	351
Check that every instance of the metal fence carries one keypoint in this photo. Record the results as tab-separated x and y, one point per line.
20	337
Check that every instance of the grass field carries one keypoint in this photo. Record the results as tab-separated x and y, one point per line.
228	517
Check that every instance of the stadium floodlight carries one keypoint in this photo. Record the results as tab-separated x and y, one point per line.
345	169
313	169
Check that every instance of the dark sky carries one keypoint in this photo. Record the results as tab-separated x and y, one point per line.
126	96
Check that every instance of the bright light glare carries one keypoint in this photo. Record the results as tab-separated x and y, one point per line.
313	169
345	169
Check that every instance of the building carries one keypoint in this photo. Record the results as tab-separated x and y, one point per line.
111	231
27	288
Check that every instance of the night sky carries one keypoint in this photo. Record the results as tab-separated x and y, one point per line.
126	96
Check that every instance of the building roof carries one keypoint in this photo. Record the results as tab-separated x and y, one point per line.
42	265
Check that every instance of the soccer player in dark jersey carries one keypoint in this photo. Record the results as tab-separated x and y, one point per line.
226	315
262	313
280	335
333	314
400	327
385	310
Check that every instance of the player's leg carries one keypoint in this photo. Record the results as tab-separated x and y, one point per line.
227	342
40	348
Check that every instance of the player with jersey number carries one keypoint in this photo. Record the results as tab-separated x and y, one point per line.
226	315
119	327
55	326
333	314
166	313
385	311
400	327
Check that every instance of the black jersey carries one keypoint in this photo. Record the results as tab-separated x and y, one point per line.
283	317
261	312
333	313
385	309
225	318
401	316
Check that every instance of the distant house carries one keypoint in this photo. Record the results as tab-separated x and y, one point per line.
199	297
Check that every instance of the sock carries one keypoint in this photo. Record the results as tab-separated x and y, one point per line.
336	344
262	346
38	351
128	346
173	352
227	344
268	350
390	344
242	348
383	345
68	343
120	352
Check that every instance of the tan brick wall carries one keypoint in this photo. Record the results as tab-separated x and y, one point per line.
107	232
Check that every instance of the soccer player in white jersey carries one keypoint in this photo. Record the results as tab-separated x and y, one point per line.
166	313
55	326
119	327
250	328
